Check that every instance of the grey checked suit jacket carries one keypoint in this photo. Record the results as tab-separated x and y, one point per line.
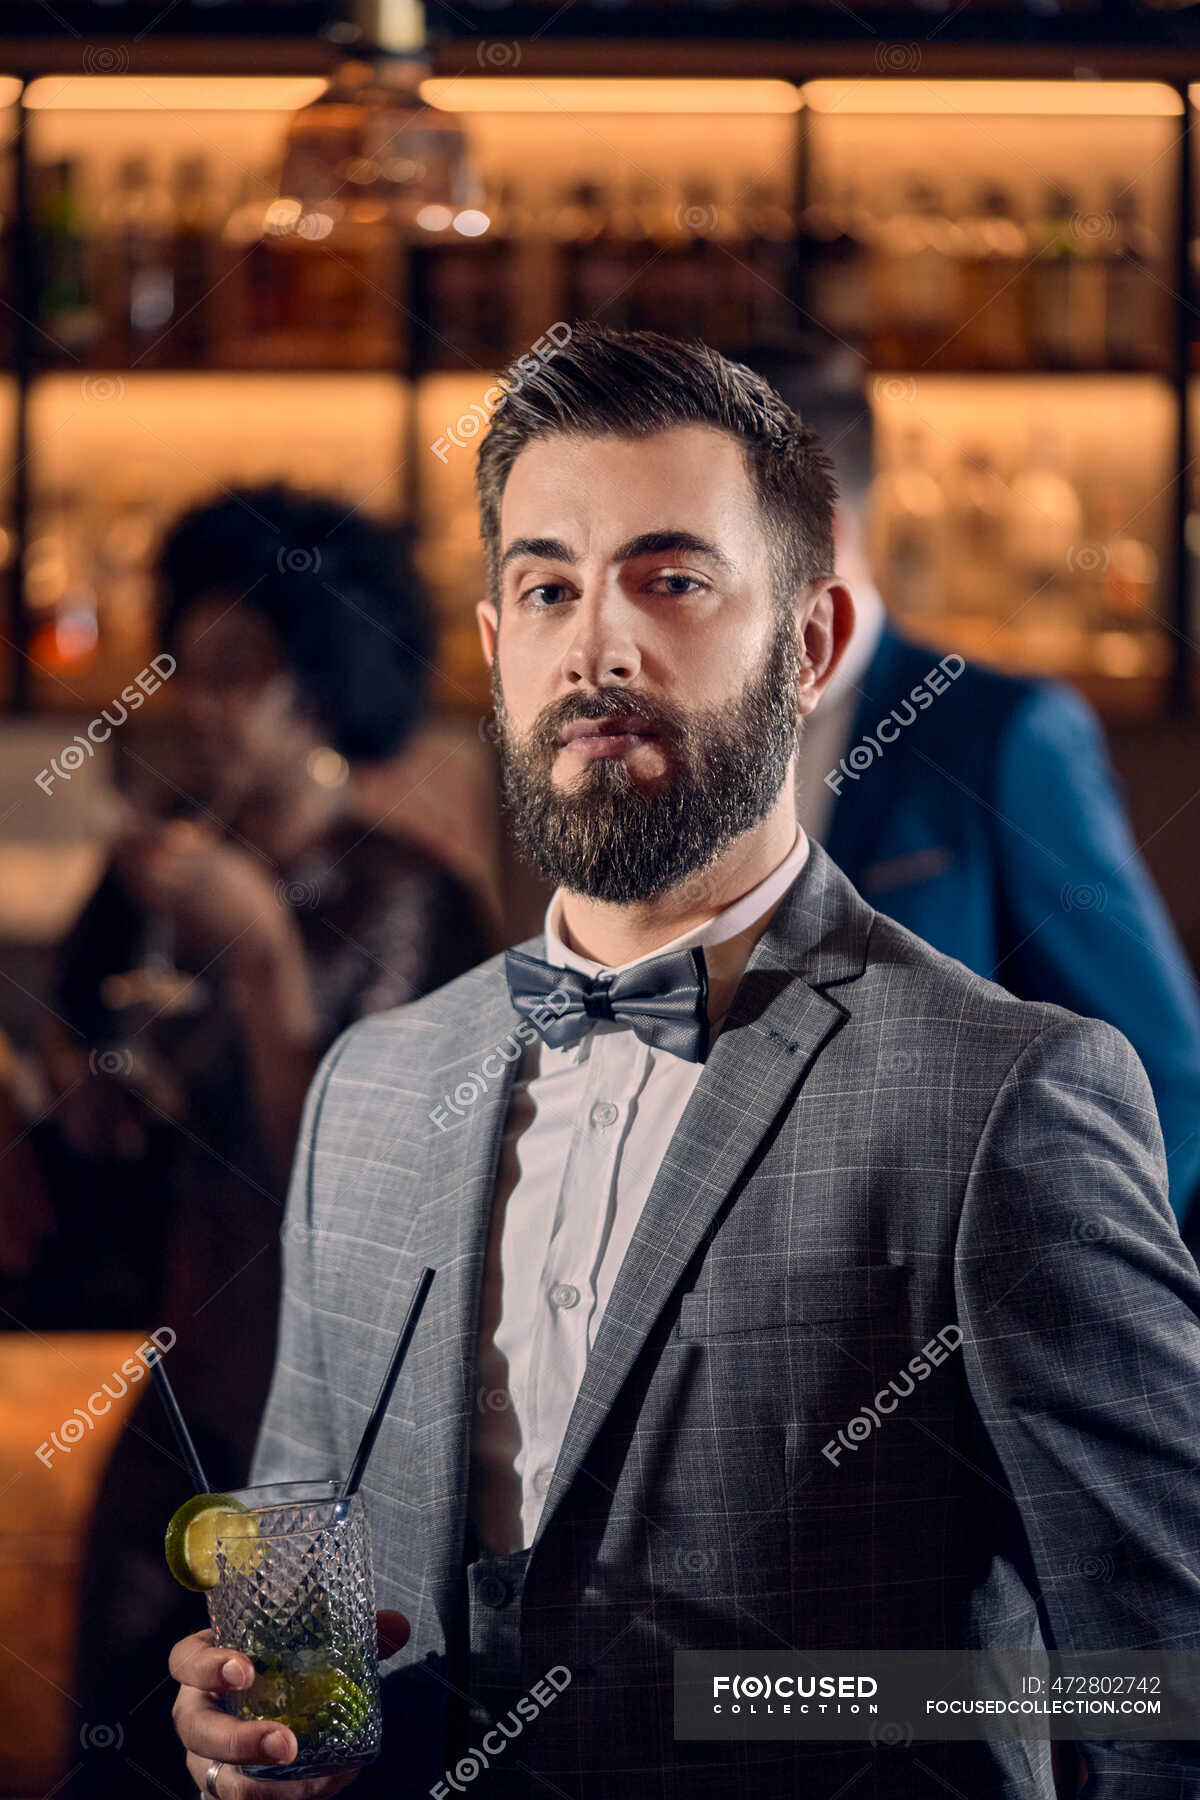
880	1145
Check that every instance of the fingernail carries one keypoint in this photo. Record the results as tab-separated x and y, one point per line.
235	1673
277	1746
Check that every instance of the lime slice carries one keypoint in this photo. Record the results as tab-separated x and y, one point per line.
192	1538
236	1534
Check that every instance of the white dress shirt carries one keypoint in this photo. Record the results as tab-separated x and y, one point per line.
825	738
587	1128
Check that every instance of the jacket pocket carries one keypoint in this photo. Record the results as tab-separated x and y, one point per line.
800	1297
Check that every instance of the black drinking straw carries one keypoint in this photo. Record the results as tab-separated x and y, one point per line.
371	1430
183	1436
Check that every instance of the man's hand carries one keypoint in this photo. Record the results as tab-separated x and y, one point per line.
209	1734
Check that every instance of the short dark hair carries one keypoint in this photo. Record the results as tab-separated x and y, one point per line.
632	383
339	591
818	377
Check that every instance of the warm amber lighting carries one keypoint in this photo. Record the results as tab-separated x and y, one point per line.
328	768
174	93
579	93
1113	99
435	218
10	90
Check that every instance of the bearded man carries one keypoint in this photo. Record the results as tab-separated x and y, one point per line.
797	1289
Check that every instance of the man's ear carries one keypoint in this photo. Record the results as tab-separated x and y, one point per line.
489	624
824	625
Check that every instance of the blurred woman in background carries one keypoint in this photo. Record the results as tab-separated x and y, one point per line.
230	940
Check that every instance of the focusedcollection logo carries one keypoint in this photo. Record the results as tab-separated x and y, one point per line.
821	1693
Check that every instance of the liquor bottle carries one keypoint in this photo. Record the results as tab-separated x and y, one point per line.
634	205
248	298
68	314
1051	283
367	168
651	236
995	300
839	235
604	274
908	529
919	304
371	129
460	287
531	280
766	283
1047	545
979	580
722	247
138	285
1067	285
1135	296
59	589
594	269
311	283
696	267
130	525
193	228
1127	568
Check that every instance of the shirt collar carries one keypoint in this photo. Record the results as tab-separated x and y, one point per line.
723	925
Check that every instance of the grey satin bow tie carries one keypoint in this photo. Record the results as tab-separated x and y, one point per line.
664	1000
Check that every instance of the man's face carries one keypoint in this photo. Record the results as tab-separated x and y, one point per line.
636	610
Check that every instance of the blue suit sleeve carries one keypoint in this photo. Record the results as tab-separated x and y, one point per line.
1086	924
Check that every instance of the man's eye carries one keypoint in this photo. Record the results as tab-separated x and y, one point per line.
689	581
546	588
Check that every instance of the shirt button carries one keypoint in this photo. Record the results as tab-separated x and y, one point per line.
563	1294
542	1480
603	1113
494	1591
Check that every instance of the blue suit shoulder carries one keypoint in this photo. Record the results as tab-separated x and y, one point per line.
992	701
995	829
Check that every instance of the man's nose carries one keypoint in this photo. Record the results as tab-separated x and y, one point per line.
603	646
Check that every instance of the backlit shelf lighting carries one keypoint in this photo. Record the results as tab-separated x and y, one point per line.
173	93
582	94
1065	99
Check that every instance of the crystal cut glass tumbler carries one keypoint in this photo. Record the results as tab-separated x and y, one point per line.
296	1595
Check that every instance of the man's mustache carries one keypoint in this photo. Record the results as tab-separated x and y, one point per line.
550	726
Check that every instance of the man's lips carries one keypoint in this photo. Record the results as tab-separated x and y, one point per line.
611	725
611	736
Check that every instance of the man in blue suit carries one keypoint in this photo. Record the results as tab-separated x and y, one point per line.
981	811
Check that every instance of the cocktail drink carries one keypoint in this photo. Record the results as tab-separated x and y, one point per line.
287	1573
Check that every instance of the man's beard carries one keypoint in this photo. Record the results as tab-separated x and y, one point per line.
612	838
